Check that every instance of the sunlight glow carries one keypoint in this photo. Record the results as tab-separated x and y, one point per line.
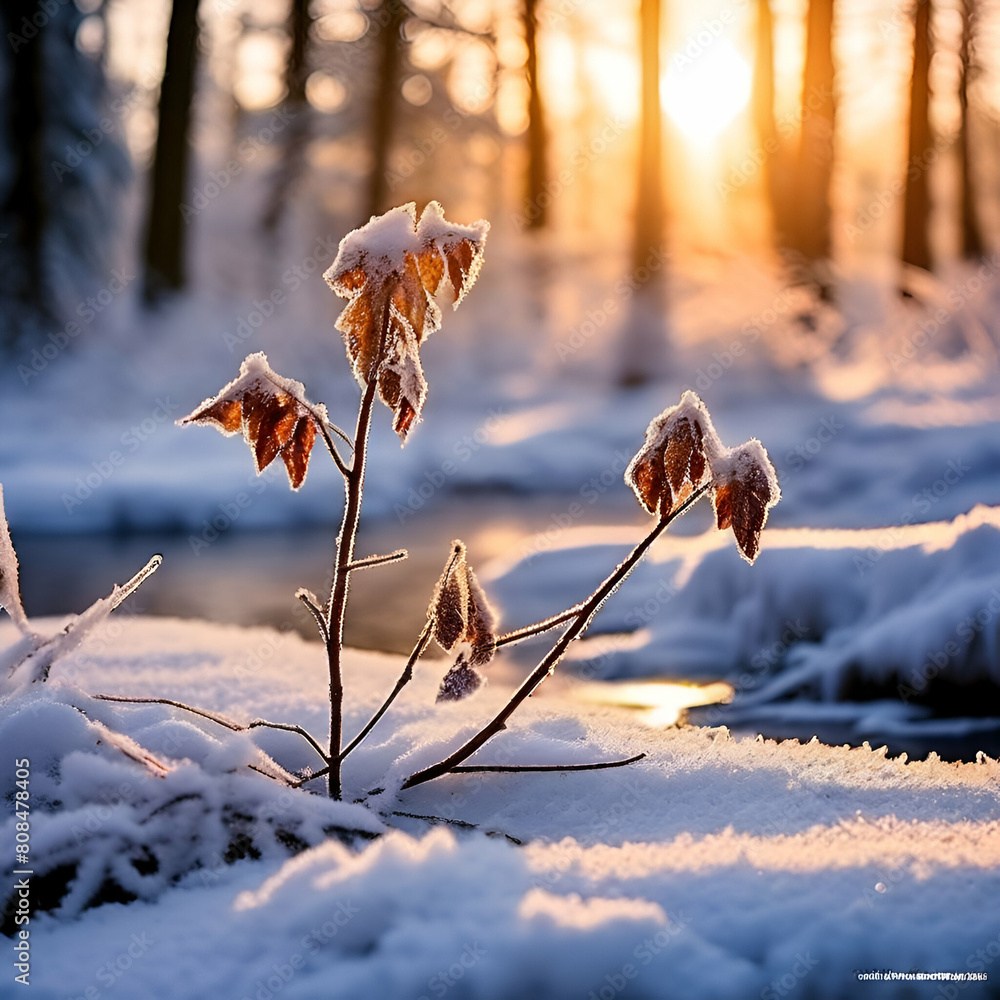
704	93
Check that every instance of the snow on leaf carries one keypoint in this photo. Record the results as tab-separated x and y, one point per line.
746	488
462	680
675	457
271	412
10	590
389	270
459	611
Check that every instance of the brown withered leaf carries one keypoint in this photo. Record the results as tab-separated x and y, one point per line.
461	680
675	456
744	492
389	270
459	611
271	412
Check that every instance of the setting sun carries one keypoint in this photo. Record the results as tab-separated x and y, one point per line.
704	93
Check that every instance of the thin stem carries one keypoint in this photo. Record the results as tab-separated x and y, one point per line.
507	768
309	600
343	435
369	561
211	716
582	620
354	486
259	723
404	679
332	449
539	627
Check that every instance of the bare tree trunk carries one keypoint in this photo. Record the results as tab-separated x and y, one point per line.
917	202
537	148
165	227
26	205
644	345
297	135
815	166
390	17
972	236
766	128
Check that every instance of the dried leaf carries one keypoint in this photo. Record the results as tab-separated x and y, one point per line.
10	590
460	613
389	270
461	680
273	414
744	492
675	457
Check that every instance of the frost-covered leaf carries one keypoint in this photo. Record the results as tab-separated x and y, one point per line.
746	488
271	412
675	457
389	270
460	613
462	680
10	590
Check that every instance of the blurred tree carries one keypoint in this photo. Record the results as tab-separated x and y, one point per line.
537	148
388	20
917	201
644	344
164	256
809	230
296	136
61	169
972	237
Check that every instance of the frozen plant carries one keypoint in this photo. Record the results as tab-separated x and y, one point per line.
390	271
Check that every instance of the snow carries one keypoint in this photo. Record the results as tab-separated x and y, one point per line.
714	867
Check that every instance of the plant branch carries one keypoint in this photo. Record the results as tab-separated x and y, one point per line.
259	723
369	561
211	716
332	448
508	768
219	720
354	487
583	618
309	600
539	627
404	679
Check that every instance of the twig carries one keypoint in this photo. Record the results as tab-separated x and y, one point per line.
370	561
404	679
259	723
211	716
309	600
582	620
461	823
119	594
539	627
273	777
341	434
332	448
507	768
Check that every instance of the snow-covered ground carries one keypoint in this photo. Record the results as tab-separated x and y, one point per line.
713	868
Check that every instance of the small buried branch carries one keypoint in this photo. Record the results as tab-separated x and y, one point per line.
219	720
539	627
581	621
510	768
